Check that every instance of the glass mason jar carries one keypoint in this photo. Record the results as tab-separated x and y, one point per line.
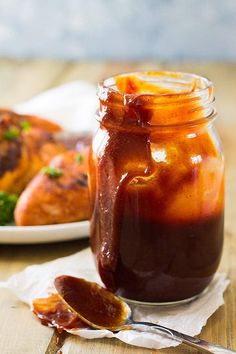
156	176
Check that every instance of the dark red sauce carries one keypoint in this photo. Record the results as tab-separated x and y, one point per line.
96	305
179	265
53	312
157	193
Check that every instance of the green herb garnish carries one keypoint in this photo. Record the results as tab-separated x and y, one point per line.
79	158
25	125
7	206
12	133
51	171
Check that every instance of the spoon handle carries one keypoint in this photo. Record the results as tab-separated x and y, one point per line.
181	337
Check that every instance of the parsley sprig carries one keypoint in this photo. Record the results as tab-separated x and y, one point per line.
12	133
25	125
7	206
51	171
79	158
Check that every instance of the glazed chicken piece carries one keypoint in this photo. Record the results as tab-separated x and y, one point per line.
26	144
58	194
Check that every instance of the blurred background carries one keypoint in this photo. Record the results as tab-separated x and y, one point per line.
118	29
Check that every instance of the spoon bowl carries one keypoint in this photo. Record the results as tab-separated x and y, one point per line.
95	305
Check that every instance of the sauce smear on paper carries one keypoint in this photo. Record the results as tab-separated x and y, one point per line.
53	312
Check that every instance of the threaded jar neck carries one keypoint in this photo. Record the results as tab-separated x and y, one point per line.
161	99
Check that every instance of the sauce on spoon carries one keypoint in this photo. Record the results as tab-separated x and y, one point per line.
95	305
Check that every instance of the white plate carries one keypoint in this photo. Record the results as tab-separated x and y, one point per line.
43	233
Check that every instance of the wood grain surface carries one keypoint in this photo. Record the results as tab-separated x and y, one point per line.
20	332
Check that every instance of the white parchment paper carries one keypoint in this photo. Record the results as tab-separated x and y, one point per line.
37	281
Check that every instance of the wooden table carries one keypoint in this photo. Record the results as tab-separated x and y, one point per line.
20	332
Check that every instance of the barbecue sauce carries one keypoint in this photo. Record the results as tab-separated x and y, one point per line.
94	304
54	312
157	188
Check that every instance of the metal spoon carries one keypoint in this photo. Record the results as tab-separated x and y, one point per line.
101	309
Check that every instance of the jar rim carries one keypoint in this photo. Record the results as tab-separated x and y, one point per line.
170	75
192	92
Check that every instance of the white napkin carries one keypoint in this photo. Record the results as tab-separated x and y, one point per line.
71	105
37	281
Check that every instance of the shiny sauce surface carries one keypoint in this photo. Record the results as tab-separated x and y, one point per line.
53	312
94	304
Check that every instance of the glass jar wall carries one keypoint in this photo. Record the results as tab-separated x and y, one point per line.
156	186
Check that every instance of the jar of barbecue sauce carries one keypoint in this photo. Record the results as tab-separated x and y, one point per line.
156	186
